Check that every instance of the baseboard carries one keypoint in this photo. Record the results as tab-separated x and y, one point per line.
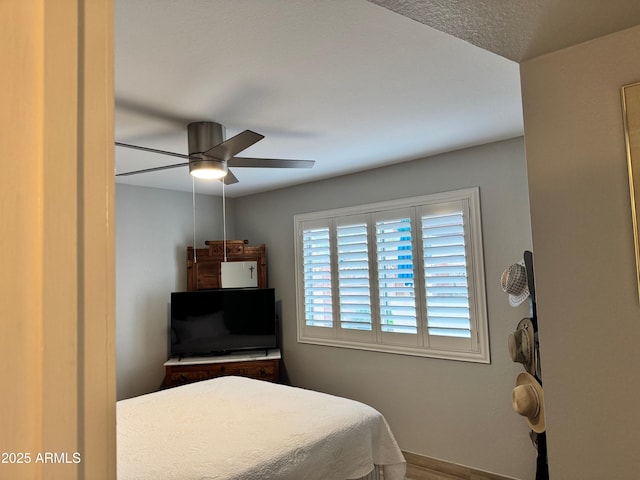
420	467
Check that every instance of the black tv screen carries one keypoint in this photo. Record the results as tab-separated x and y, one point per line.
215	322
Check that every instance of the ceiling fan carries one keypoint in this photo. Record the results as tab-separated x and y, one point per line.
211	156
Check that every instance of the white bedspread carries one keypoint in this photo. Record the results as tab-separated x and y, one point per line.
235	428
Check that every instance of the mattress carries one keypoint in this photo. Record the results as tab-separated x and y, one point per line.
238	428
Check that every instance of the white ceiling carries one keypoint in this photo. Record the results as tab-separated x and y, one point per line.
348	83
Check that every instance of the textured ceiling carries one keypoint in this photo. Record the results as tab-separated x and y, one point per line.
352	84
521	29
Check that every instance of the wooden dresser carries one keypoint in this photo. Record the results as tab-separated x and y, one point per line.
260	365
203	264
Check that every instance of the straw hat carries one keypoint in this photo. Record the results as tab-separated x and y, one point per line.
527	399
514	282
522	345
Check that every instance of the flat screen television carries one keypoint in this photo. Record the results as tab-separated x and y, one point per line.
216	322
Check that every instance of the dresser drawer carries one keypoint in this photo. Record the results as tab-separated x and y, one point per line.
267	371
259	369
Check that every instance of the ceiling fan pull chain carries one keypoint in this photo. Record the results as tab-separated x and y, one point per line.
193	201
224	223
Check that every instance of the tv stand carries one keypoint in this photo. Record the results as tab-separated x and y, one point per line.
259	364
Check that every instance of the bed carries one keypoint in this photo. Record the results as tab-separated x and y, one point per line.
233	428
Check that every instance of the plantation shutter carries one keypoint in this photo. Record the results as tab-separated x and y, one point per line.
446	275
316	255
404	276
353	273
396	282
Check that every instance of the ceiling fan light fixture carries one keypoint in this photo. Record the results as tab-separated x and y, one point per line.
208	168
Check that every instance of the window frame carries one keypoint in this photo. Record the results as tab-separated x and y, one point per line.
474	349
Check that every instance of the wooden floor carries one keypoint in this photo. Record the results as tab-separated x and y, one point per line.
425	468
419	473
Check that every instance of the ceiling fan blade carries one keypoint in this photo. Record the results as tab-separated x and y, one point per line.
269	163
227	149
152	150
154	169
229	178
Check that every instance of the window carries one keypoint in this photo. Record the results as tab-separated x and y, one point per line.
405	276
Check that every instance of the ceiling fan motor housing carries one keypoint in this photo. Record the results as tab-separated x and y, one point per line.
204	135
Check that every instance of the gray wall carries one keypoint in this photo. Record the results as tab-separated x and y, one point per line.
153	229
584	256
457	411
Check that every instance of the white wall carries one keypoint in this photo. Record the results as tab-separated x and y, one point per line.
153	229
588	311
456	411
